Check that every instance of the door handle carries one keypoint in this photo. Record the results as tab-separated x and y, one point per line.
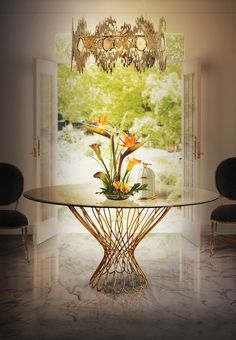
36	148
34	152
194	147
199	153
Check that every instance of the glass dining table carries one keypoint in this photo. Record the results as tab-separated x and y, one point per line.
118	225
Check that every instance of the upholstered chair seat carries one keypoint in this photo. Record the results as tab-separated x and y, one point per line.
225	178
11	189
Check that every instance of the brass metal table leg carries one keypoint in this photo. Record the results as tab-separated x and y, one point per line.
119	231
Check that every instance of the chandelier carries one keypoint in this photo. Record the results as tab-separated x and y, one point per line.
141	45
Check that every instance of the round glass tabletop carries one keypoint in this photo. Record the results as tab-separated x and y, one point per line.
84	195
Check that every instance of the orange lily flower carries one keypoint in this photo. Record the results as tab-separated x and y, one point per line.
122	187
96	149
133	148
117	185
126	153
130	140
132	162
125	188
103	120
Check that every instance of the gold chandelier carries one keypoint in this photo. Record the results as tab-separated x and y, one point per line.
141	45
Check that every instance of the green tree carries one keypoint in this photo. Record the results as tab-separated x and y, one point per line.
163	95
151	100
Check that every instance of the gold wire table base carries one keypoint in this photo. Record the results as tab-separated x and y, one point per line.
119	231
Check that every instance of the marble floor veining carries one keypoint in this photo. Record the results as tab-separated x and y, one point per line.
190	295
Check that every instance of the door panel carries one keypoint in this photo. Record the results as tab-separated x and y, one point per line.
45	130
191	139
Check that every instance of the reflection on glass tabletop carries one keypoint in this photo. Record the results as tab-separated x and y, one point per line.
84	195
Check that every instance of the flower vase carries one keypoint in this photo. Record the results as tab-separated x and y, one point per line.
117	195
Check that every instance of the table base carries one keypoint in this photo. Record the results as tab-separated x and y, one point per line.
119	231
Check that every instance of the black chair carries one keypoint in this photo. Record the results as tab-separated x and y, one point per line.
225	178
11	188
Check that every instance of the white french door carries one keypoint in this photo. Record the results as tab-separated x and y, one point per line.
45	133
191	143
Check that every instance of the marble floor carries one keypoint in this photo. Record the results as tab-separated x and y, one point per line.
190	295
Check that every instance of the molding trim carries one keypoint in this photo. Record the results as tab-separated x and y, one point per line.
222	229
15	231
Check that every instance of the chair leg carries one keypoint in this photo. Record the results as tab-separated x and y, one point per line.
24	233
213	236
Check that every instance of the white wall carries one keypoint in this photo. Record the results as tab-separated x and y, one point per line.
27	31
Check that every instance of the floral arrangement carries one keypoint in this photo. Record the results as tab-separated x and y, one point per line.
116	173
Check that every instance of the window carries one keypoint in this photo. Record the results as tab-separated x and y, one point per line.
150	100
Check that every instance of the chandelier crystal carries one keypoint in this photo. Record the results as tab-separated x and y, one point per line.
140	45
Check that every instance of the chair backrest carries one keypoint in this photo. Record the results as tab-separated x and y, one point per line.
226	178
11	183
